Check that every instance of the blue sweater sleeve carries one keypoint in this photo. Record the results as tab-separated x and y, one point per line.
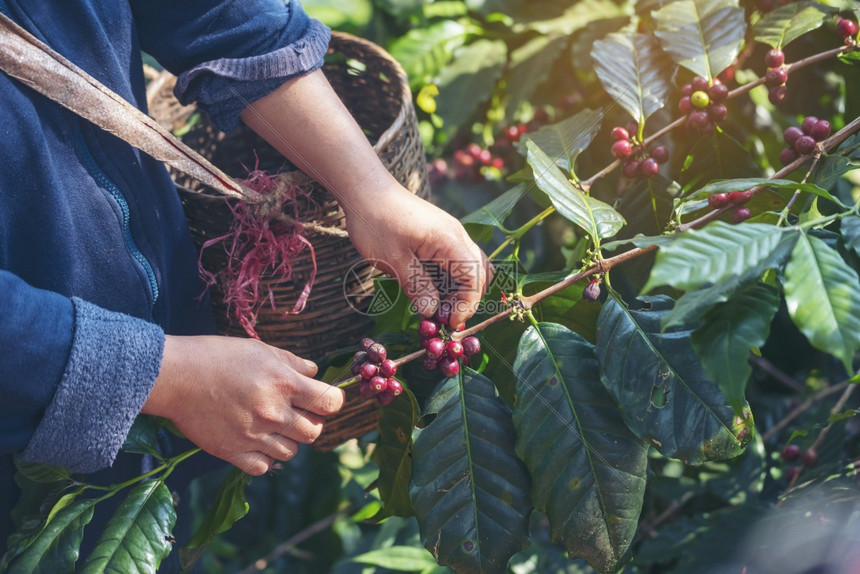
78	378
230	53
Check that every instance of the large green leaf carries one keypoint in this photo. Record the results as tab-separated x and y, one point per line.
850	228
138	535
823	297
54	545
715	157
658	382
468	81
598	219
566	139
481	222
424	51
785	24
469	490
393	456
703	36
729	331
142	438
529	67
713	253
635	71
588	470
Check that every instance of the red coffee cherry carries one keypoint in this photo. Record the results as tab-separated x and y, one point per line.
774	58
717	200
619	133
387	368
846	28
660	153
787	156
820	130
740	197
435	348
622	149
649	167
790	453
471	346
791	134
449	367
775	77
741	213
804	145
718	93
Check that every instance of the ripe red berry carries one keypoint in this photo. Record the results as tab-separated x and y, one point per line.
366	343
364	390
660	153
777	95
775	77
791	134
820	130
430	364
804	145
699	84
498	163
846	27
360	357
808	123
787	156
443	313
649	167
387	368
774	58
810	457
377	353
790	453
591	292
473	150
699	118
718	93
395	387
740	197
368	371
630	168
741	213
471	346
700	99
454	349
378	384
718	112
717	200
428	328
512	133
685	105
727	75
622	149
386	399
687	89
435	348
355	369
449	367
619	133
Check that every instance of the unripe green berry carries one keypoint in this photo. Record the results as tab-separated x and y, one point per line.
700	99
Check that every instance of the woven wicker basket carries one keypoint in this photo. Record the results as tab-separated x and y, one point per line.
374	88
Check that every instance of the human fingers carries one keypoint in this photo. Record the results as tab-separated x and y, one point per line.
279	447
301	426
469	273
253	462
316	396
300	365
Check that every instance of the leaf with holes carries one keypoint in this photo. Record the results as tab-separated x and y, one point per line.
714	253
393	456
663	392
727	334
598	219
138	535
823	298
588	469
469	490
566	139
704	36
785	24
635	71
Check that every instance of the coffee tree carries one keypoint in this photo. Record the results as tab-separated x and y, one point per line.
637	406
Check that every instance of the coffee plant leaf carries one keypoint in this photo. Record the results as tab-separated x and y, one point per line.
393	455
529	67
703	36
42	473
142	438
692	305
664	394
398	558
468	81
716	157
781	26
588	470
576	16
728	333
469	490
823	299
481	222
138	535
647	204
52	545
743	184
635	71
424	52
229	506
850	228
596	218
566	139
713	253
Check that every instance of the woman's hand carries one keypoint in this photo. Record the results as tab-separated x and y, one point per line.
241	400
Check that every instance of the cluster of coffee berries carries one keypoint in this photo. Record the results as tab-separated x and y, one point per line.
636	160
441	351
776	76
703	104
847	28
792	453
801	140
737	198
377	371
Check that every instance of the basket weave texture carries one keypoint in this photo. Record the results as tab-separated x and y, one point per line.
374	88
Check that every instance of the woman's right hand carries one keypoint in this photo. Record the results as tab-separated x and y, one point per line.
241	400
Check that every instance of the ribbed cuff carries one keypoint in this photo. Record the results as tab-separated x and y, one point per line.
114	361
225	87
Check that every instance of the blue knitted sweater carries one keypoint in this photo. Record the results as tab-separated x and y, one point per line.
96	262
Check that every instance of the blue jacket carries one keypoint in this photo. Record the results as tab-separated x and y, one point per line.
96	262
